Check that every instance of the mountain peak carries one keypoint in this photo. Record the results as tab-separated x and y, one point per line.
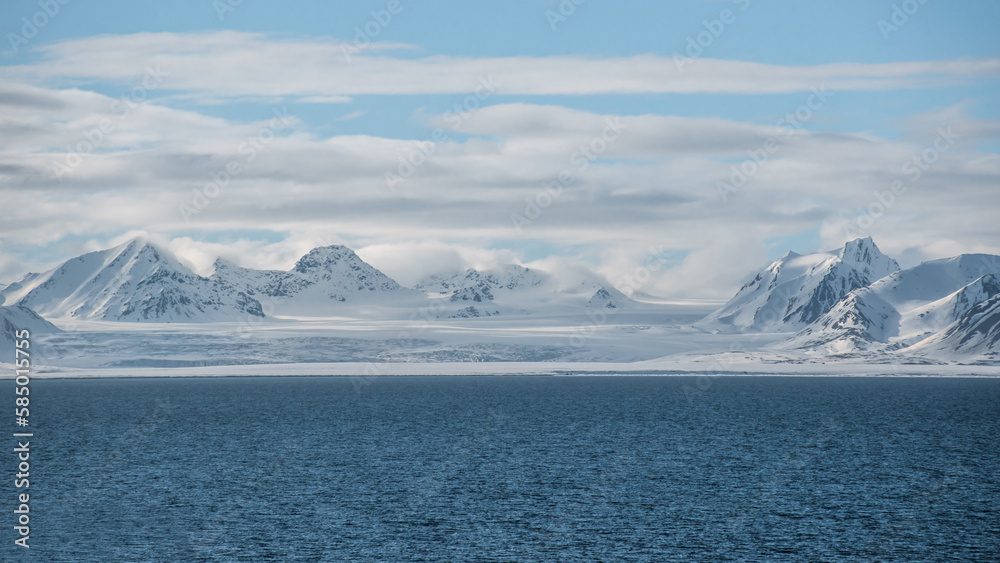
602	299
324	256
143	247
859	247
976	332
791	254
136	243
863	254
796	290
221	264
338	273
134	281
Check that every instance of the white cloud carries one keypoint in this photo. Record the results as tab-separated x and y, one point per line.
281	255
325	100
229	63
655	185
410	262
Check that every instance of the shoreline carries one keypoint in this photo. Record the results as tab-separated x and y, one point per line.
554	369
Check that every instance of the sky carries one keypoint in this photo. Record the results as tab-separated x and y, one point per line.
703	137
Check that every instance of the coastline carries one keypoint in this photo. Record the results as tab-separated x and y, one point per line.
579	369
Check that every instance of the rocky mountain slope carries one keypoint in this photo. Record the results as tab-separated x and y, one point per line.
974	334
905	307
16	318
318	284
796	290
135	281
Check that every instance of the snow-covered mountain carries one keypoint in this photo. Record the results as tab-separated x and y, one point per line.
907	306
475	292
605	298
934	279
15	318
516	289
469	286
18	317
856	300
796	290
506	279
849	304
924	320
135	281
318	284
975	333
138	281
859	321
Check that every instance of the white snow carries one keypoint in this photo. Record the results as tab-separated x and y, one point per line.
326	281
16	318
135	281
974	335
135	308
905	307
795	290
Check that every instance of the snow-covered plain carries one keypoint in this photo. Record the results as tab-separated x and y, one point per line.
656	340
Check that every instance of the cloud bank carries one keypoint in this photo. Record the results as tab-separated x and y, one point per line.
603	189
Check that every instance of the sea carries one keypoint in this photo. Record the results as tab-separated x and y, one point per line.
511	468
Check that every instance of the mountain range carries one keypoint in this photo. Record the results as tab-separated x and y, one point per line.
318	284
856	300
515	289
135	281
849	302
139	281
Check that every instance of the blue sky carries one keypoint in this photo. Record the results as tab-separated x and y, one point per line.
323	178
779	32
787	33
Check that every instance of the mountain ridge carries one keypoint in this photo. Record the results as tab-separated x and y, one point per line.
907	306
134	281
320	281
849	302
796	290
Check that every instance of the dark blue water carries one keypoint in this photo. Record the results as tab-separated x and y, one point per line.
513	469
